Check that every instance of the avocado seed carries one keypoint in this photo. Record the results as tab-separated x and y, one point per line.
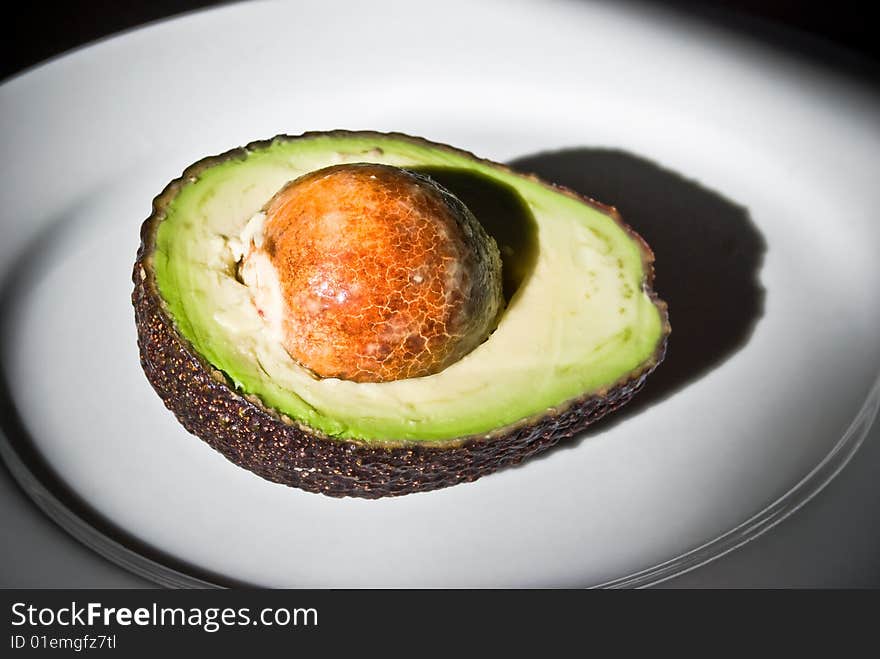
378	273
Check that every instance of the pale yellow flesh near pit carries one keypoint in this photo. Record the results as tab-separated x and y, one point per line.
576	326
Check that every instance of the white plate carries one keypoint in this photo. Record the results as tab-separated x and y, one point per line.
753	175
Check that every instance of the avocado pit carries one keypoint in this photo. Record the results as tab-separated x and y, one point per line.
371	273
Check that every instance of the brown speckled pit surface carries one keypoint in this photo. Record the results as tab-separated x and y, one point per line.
259	439
385	274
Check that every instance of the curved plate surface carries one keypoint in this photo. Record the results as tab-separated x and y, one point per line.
752	175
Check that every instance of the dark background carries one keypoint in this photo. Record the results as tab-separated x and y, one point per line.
833	549
838	33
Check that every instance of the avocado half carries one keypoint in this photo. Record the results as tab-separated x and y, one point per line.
581	332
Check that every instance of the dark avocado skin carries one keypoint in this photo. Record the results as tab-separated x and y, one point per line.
277	449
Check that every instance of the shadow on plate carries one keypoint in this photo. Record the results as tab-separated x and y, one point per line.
708	258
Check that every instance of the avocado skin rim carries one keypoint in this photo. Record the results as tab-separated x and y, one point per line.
280	450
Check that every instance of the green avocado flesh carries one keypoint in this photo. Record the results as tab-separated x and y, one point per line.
577	319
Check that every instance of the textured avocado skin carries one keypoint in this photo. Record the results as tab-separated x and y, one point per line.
258	439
